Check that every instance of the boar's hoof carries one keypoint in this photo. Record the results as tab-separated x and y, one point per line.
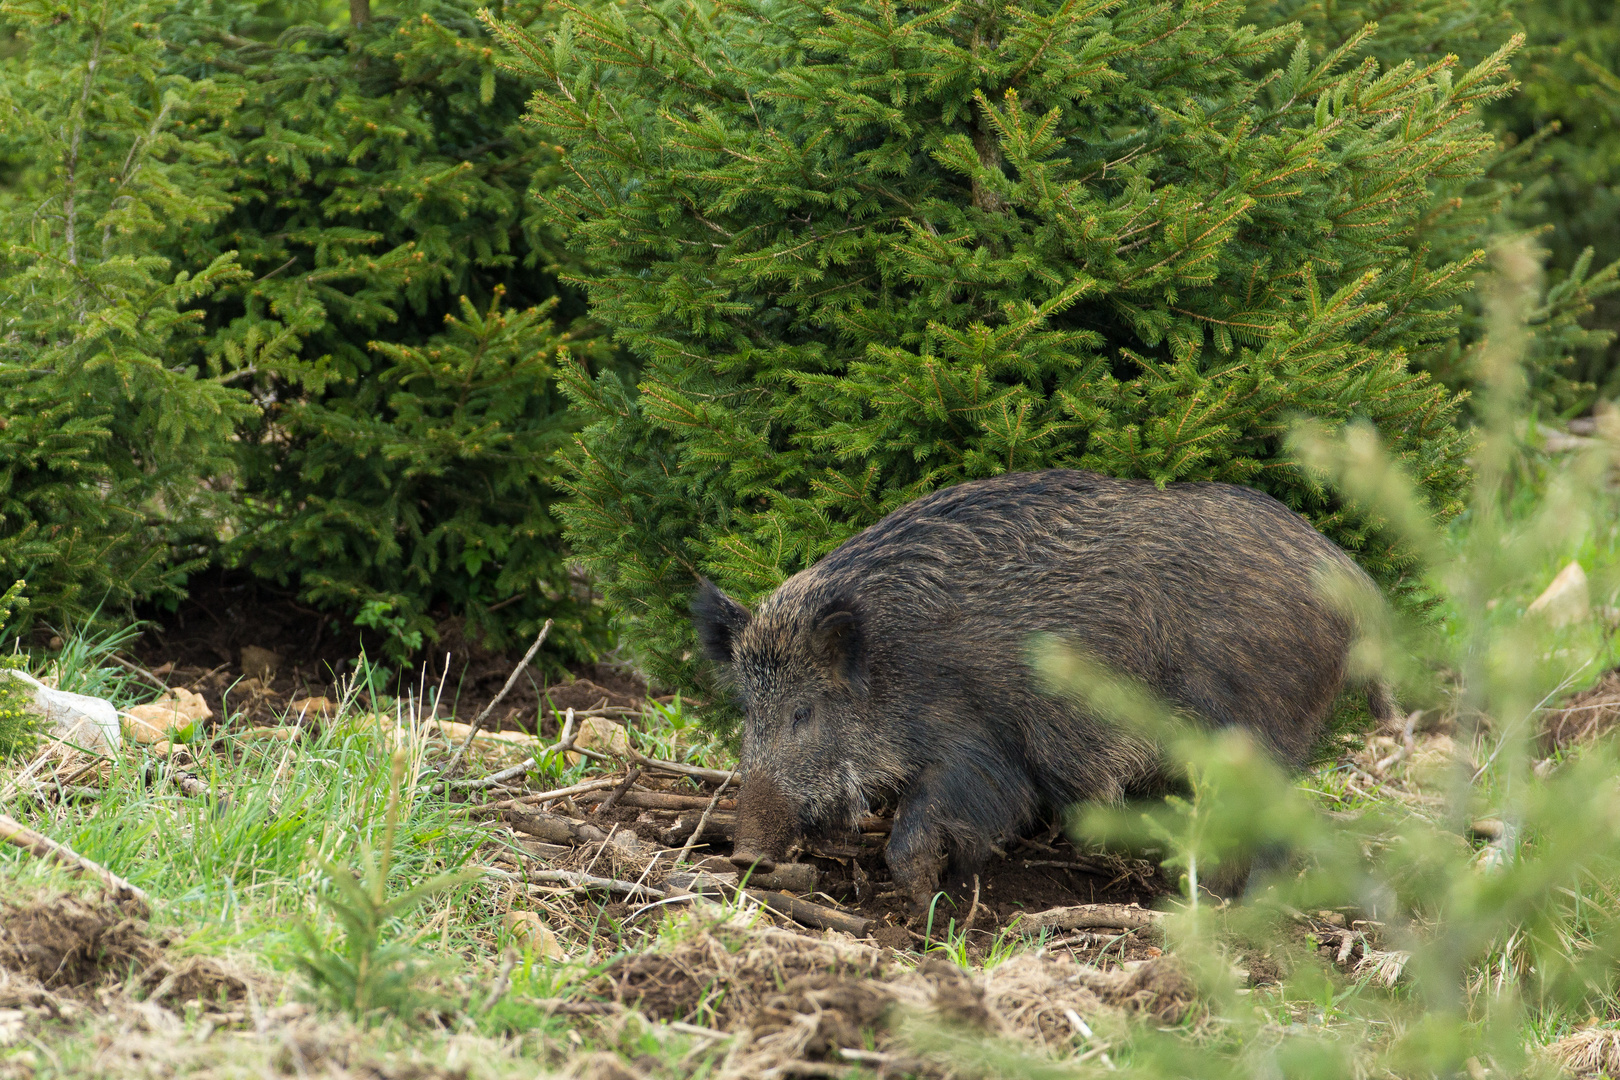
767	825
752	860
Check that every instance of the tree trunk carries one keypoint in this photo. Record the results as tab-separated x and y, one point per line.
359	12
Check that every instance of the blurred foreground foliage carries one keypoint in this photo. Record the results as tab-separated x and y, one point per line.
1474	957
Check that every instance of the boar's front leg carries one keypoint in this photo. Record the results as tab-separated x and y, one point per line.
951	813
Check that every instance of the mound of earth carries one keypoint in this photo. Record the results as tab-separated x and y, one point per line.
66	948
792	999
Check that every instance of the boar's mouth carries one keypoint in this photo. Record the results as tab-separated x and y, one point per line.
767	824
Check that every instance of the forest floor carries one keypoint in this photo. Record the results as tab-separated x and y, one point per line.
316	902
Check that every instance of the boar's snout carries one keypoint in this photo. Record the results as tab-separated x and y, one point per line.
767	824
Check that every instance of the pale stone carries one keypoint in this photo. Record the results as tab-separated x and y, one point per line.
78	719
457	733
173	711
528	930
602	735
324	708
1566	600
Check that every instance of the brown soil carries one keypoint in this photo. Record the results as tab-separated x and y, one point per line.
1587	715
306	653
68	945
796	1001
1021	881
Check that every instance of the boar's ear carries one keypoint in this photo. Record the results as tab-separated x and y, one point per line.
719	619
839	643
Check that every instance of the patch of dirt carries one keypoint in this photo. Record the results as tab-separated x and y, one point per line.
296	652
794	999
1585	716
1038	876
64	945
722	976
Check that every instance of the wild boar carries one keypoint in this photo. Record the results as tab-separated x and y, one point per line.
900	664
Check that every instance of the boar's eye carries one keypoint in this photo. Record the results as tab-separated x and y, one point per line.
800	715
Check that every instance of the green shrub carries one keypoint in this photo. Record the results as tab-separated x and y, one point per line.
1570	72
866	252
113	427
17	725
398	316
1572	326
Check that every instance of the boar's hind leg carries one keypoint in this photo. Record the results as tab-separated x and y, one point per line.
955	814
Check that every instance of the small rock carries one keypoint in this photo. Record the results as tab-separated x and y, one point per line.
530	931
90	722
166	717
312	707
1566	600
457	733
602	735
261	664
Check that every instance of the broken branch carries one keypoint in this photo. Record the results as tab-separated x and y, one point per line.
1089	916
41	846
478	721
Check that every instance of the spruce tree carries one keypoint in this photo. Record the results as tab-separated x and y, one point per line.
864	251
1520	192
1569	108
115	429
401	317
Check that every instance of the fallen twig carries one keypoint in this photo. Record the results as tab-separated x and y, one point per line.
667	800
19	835
815	916
704	820
680	768
538	797
1089	916
493	779
478	721
502	981
618	793
552	828
137	669
580	881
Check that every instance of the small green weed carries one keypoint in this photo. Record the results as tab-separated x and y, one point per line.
370	970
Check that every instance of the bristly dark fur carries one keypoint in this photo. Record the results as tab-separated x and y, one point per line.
900	663
719	619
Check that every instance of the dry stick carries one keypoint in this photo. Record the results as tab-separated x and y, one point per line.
478	721
137	669
494	779
618	793
680	768
973	908
538	797
17	834
502	981
1089	916
579	881
704	820
813	915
